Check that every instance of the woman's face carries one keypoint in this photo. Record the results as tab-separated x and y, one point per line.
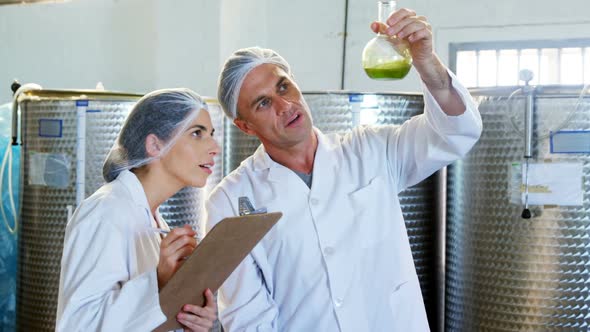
190	160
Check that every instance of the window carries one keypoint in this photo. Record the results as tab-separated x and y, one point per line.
489	64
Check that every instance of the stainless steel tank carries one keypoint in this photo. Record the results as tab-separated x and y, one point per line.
506	273
49	188
339	112
65	133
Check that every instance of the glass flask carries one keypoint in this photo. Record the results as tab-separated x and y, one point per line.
386	57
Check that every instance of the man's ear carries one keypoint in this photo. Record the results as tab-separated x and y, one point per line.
244	126
152	145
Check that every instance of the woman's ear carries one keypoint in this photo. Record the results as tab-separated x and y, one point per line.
152	145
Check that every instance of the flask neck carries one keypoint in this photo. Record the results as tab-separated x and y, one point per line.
386	7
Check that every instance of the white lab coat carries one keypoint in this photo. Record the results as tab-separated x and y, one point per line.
340	258
108	278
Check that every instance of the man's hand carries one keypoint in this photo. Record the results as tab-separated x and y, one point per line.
406	25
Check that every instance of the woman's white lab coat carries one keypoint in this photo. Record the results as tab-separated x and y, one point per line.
108	276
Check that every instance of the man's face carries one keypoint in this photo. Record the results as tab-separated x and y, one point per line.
271	107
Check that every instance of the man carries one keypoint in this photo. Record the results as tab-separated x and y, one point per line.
339	259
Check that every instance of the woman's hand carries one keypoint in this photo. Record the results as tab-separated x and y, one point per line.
175	246
196	319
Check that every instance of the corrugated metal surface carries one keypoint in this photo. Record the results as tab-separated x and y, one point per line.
44	207
333	112
505	273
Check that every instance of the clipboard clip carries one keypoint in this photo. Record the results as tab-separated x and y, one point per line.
246	208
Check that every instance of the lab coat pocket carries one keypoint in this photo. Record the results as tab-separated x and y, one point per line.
407	307
371	220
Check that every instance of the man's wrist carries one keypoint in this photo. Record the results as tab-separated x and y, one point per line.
438	83
434	74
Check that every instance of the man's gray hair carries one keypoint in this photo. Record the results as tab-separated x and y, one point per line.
235	69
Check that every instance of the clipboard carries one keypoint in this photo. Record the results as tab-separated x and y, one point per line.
215	258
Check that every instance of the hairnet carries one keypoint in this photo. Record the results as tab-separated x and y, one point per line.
235	69
165	113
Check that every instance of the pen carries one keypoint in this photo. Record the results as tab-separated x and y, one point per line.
164	232
159	230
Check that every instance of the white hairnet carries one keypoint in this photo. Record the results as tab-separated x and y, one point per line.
165	113
235	69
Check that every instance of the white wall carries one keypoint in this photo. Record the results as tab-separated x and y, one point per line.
467	21
188	41
76	44
129	45
140	45
307	33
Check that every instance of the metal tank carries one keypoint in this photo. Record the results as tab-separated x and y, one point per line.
66	136
505	272
339	112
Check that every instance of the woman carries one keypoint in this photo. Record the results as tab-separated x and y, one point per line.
115	260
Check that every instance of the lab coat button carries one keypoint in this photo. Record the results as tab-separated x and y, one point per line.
328	251
338	302
314	201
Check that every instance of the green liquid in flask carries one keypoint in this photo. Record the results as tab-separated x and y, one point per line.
393	70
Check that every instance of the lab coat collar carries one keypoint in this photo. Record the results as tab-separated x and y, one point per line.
132	184
261	160
323	157
328	157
